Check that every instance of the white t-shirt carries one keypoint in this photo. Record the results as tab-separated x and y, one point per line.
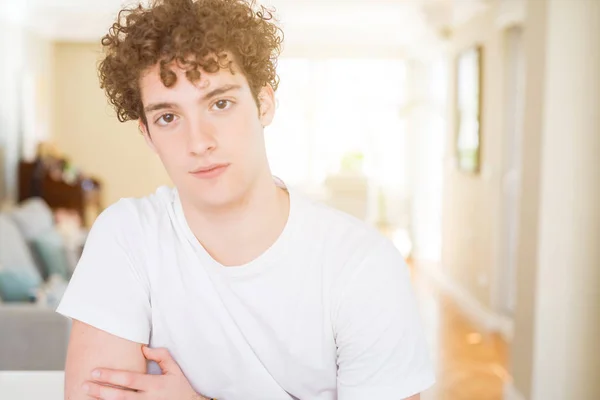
327	312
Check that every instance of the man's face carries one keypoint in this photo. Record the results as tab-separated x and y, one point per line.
209	135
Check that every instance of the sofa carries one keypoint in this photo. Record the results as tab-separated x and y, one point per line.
37	257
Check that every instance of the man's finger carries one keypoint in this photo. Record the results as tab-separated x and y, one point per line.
98	391
124	379
163	358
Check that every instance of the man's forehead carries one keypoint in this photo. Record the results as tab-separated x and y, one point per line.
207	79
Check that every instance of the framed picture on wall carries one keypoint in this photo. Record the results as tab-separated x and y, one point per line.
468	110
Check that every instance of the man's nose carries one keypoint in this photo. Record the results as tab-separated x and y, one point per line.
201	138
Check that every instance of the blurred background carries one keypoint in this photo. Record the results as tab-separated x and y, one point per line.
466	130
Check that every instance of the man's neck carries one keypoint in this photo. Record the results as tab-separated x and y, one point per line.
241	233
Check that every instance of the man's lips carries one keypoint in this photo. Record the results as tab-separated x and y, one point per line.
207	168
209	171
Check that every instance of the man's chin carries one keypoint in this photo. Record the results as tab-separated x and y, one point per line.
215	197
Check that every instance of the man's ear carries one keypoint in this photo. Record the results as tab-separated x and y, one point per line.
144	130
266	99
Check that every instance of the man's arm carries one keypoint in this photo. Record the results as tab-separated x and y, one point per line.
90	348
381	347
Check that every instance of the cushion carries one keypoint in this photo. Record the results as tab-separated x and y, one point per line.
18	272
50	249
33	217
19	284
14	250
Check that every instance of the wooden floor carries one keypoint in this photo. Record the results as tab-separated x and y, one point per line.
470	364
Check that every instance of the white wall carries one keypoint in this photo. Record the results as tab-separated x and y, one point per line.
25	87
471	202
86	129
12	51
567	317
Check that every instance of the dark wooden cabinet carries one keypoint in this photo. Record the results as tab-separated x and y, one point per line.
82	196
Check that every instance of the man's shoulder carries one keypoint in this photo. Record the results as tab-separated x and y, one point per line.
347	247
136	212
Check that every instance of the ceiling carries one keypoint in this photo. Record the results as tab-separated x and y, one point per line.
386	24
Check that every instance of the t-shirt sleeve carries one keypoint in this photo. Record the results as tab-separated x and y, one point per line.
107	289
381	347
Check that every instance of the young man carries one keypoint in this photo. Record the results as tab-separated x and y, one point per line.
241	287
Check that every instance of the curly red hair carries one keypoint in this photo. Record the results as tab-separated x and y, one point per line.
197	35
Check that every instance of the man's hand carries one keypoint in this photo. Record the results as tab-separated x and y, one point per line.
108	384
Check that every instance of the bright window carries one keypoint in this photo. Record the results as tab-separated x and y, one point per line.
330	108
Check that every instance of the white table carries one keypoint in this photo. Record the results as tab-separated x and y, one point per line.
31	385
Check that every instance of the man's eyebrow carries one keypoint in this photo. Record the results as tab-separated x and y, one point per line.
213	93
220	90
159	106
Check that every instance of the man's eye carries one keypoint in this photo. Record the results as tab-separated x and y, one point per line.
222	104
165	119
